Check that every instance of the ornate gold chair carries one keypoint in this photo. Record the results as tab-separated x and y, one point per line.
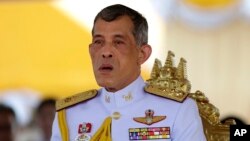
171	81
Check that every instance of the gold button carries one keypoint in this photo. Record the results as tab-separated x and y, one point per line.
116	115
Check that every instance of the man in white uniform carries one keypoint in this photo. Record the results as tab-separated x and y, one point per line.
123	109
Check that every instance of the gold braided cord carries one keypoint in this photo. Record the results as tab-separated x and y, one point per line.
103	133
63	125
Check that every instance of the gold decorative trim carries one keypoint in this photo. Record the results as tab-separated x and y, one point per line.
72	100
213	128
180	97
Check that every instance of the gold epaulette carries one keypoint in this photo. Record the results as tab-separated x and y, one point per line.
77	98
179	97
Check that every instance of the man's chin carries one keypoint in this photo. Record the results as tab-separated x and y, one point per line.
109	88
105	84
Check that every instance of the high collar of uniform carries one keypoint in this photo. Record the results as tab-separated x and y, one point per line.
125	96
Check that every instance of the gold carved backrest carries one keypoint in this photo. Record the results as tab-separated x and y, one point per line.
171	81
213	128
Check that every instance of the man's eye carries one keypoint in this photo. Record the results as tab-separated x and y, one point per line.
97	42
119	42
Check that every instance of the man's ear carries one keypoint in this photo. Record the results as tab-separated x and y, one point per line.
144	54
90	48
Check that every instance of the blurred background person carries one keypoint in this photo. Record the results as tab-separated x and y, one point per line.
44	117
7	123
238	120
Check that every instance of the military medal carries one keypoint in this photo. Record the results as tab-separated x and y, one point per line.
149	119
83	137
149	133
84	128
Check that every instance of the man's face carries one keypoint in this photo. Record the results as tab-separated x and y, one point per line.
114	53
45	119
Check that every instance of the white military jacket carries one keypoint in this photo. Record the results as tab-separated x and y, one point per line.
180	121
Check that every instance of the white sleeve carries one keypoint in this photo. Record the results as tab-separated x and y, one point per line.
188	125
56	135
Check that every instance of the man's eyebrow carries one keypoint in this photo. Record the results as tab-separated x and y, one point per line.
119	36
97	35
114	36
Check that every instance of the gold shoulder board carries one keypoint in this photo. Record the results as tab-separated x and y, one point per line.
77	98
179	97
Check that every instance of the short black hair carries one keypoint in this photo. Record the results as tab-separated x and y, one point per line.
7	109
48	101
112	12
237	119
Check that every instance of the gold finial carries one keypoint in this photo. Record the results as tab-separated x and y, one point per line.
169	81
156	69
169	62
167	71
181	69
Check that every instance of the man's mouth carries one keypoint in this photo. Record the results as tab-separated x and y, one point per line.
105	68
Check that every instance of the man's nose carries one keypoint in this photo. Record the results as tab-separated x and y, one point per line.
107	51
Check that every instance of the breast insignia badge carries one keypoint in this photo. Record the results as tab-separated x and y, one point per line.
85	127
83	137
149	119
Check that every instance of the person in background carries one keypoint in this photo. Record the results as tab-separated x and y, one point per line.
7	123
44	115
237	119
122	110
